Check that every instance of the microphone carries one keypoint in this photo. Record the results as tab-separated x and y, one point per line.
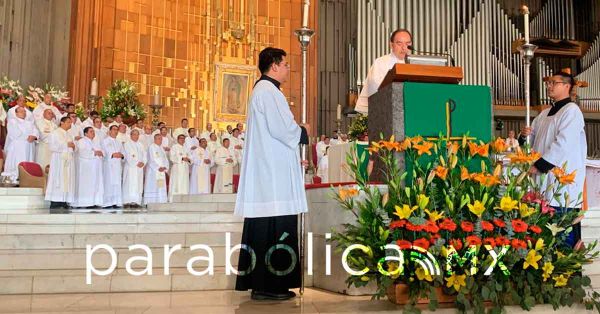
412	48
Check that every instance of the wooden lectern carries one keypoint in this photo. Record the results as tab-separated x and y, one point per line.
422	73
427	101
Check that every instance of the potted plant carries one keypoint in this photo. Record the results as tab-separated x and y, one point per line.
122	99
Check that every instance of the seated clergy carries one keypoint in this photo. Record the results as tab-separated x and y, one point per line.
179	184
133	173
113	169
155	185
90	178
226	161
61	178
202	161
23	135
45	127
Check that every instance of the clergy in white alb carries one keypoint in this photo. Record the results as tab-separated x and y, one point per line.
123	135
38	112
133	172
179	182
322	148
238	145
100	131
226	162
183	130
155	185
146	137
11	114
23	136
113	169
213	144
75	131
60	189
201	162
166	141
323	168
400	41
45	127
90	178
271	188
558	134
206	133
191	141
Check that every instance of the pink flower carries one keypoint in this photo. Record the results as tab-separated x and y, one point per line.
530	197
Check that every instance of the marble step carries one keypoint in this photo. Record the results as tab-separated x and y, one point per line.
61	259
115	240
74	281
205	198
20	192
192	207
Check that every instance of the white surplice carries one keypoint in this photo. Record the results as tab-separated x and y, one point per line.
19	149
61	178
224	174
113	172
561	138
375	76
180	131
179	182
146	140
191	142
200	177
90	181
43	154
133	176
155	185
271	181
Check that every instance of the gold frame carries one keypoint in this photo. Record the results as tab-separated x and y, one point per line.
244	74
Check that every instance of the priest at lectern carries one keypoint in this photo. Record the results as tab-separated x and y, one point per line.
400	41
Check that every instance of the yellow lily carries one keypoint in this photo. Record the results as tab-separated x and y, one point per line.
422	201
560	281
423	275
507	204
405	211
477	208
526	211
456	281
434	215
532	259
548	269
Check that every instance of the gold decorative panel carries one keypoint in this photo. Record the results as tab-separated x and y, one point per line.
175	47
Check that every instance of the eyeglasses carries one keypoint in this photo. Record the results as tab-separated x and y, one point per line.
552	83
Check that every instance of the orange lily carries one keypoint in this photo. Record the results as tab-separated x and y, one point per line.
424	148
441	172
482	150
499	145
464	174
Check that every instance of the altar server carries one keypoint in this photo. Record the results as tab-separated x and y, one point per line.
155	185
271	191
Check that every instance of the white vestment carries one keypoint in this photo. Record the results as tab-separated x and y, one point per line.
113	172
38	112
224	175
235	141
19	149
191	142
155	186
179	182
179	131
43	154
87	122
323	169
200	178
166	142
375	76
133	176
12	114
213	146
561	138
271	180
146	140
122	137
321	149
512	144
206	134
90	181
100	136
61	178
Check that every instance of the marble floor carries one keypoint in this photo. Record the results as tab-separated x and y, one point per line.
210	302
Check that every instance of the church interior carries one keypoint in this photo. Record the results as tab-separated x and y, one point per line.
150	65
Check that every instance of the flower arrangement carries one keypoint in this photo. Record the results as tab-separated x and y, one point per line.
359	128
122	99
80	111
9	92
456	205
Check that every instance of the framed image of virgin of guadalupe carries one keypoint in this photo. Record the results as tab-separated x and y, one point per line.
232	91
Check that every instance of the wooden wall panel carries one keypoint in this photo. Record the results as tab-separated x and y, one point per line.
174	45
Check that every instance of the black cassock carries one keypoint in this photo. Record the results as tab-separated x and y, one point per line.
274	240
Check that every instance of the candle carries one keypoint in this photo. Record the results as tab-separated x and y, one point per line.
156	98
94	88
339	112
526	13
305	14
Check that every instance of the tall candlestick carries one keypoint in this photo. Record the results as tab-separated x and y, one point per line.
94	88
526	13
305	14
339	112
156	98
